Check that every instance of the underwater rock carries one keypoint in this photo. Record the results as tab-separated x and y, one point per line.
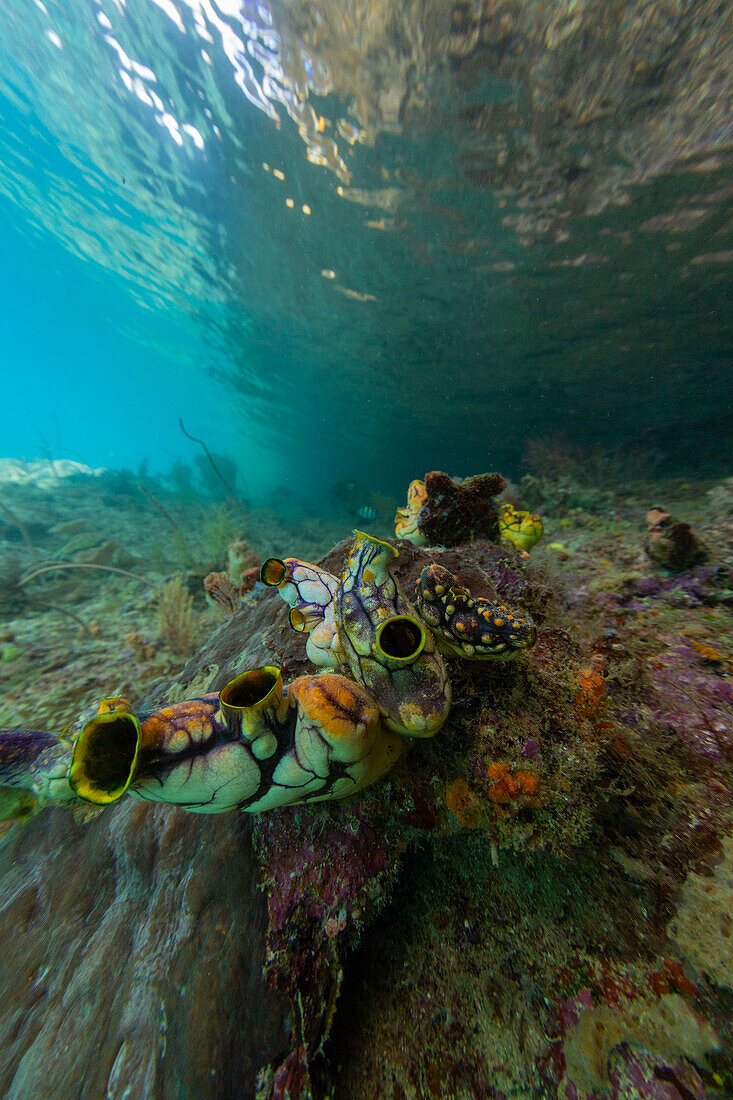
667	1026
43	473
147	929
541	760
444	512
703	925
672	543
696	708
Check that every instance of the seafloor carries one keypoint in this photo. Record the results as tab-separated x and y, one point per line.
535	903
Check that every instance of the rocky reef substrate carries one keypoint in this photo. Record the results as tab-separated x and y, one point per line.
536	902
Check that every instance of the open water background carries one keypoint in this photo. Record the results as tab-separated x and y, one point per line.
364	240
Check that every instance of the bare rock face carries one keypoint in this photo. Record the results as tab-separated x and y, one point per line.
133	960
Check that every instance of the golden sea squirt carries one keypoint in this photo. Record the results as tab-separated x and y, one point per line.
468	626
309	592
523	529
385	646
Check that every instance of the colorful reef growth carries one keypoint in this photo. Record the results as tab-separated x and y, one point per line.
468	626
364	624
253	746
443	512
526	891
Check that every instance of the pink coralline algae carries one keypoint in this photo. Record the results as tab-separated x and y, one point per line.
695	706
324	876
631	1069
321	869
637	1075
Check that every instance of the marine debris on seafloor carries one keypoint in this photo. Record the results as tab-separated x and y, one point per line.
556	852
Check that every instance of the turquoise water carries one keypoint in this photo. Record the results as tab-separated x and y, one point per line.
353	256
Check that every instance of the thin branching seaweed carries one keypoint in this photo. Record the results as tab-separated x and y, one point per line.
21	527
213	465
51	567
176	620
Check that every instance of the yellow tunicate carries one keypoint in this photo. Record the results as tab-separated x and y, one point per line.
523	529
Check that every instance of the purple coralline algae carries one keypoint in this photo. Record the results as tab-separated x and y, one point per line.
693	706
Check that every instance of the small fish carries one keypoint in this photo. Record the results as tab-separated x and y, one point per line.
367	512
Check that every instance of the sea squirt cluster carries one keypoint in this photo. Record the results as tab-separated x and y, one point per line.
257	746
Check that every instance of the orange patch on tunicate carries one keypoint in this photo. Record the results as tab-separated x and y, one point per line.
463	804
338	706
157	731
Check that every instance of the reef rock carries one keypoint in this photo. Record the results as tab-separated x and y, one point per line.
134	951
554	808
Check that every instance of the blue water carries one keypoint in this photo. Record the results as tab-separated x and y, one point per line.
203	218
